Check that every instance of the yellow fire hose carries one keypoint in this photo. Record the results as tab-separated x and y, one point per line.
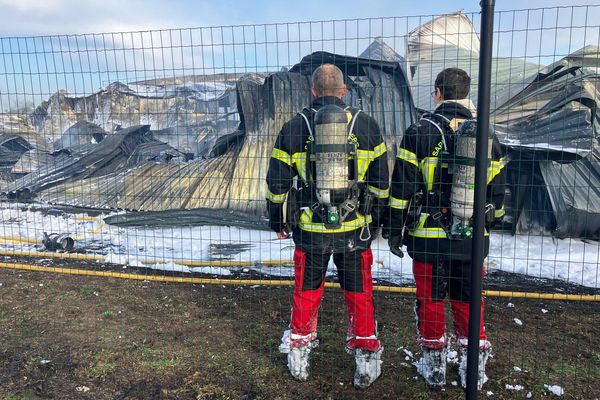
269	282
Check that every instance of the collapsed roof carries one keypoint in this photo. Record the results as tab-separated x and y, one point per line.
123	149
179	110
550	127
544	116
16	139
232	175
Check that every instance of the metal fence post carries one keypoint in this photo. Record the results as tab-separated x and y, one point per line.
481	161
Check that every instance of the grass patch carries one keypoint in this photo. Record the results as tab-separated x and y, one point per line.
86	290
220	363
99	371
562	369
211	391
161	363
21	396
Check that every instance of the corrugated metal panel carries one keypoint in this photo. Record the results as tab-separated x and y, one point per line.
236	178
574	191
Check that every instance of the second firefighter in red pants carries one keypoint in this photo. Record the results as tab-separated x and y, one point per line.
430	198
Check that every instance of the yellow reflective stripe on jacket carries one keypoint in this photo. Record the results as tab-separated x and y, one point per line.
398	204
408	156
379	150
434	232
495	168
282	156
275	198
499	213
307	225
428	166
300	160
427	233
365	157
379	193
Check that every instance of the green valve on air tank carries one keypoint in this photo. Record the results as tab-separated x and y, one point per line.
333	218
467	232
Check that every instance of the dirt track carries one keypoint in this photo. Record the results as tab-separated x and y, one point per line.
69	337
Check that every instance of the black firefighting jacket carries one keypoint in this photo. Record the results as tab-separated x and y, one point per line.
288	162
418	168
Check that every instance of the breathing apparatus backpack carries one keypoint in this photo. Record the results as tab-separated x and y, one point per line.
332	166
462	168
458	148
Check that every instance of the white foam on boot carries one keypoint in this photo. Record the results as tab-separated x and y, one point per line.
368	367
298	362
432	366
284	347
482	378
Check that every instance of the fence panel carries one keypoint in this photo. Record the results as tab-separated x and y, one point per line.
144	156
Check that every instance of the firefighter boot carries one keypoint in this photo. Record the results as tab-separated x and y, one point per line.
368	367
299	362
432	366
298	348
482	378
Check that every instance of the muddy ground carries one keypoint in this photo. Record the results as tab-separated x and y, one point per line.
76	337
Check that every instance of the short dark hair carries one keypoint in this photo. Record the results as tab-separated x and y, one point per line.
454	83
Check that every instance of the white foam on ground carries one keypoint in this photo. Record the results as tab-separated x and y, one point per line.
570	260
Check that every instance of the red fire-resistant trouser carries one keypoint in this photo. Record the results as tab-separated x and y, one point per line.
354	273
434	282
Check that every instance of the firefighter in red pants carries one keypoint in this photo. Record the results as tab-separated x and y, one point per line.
337	157
430	199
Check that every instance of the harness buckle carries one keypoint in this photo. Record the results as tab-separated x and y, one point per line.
437	216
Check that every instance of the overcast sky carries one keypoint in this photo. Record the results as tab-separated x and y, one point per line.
35	62
43	17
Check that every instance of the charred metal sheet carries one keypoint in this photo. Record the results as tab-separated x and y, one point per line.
110	155
79	134
234	174
574	191
194	217
549	125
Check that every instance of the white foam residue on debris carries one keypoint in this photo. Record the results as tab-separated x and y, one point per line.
199	91
409	354
516	388
555	389
569	259
452	357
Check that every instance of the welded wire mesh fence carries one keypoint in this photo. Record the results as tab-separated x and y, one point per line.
146	154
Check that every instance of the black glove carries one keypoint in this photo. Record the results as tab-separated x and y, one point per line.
395	243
